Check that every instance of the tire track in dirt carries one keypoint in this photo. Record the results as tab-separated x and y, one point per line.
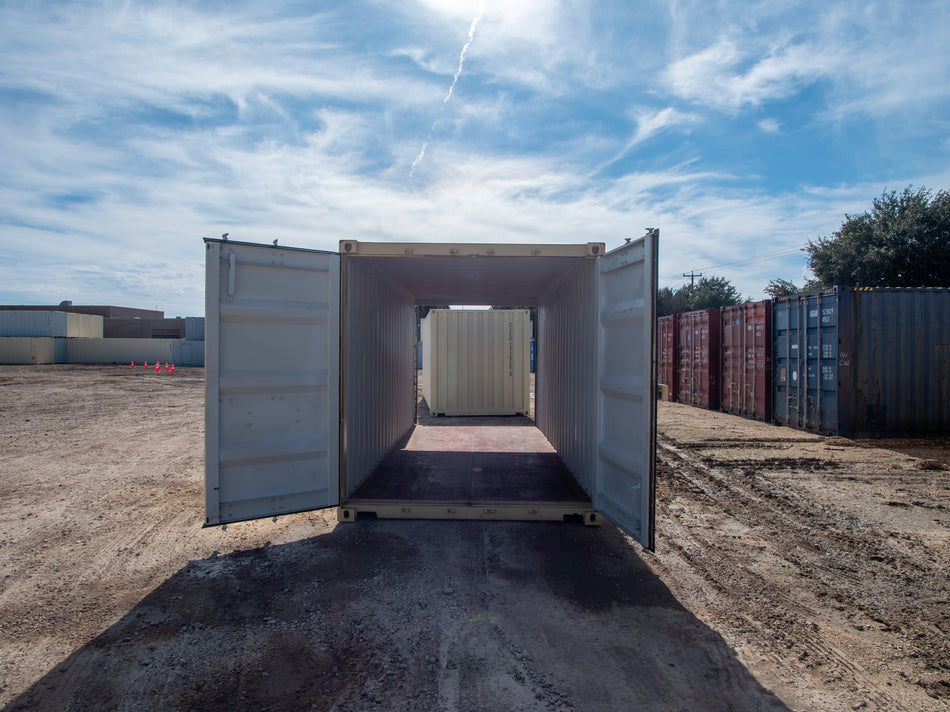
838	572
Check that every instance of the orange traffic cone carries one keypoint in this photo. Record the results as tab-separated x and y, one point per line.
173	369
157	364
145	366
133	365
166	367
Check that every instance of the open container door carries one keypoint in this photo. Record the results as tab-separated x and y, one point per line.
272	381
626	404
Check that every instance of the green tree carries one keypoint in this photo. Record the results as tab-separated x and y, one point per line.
708	292
903	241
781	288
711	293
665	301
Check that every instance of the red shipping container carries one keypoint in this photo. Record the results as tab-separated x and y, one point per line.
699	351
747	360
667	330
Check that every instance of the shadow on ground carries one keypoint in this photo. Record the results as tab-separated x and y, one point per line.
403	615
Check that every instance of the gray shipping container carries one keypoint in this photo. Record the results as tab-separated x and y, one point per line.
50	324
195	328
186	352
311	365
33	323
863	362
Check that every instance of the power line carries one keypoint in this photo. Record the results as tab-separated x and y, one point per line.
756	258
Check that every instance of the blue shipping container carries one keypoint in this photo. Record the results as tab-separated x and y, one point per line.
863	361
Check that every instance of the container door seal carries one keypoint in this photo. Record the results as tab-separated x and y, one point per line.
272	359
626	410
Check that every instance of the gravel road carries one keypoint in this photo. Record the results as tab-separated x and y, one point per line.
793	572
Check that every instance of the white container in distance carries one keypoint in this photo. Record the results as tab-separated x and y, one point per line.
477	362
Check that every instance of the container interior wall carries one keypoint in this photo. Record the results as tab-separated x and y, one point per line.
566	372
426	360
899	341
379	361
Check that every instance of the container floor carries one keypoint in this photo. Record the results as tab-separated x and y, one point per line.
473	459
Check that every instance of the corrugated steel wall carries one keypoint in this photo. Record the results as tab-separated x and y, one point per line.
379	365
195	328
805	356
566	372
894	361
50	324
33	323
747	360
667	340
477	361
29	350
186	352
699	357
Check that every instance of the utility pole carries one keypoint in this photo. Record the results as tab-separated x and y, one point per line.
692	277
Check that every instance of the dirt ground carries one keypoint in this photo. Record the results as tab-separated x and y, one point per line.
792	572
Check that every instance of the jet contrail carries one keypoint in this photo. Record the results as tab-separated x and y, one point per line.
458	72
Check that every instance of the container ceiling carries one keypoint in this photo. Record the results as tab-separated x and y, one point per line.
476	279
501	274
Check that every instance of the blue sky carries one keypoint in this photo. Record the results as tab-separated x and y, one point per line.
740	129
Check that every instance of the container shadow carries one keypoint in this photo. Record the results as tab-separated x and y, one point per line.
410	615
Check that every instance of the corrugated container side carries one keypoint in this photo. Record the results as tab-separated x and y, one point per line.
379	365
699	356
667	351
805	356
33	323
567	367
747	360
84	326
186	352
195	328
894	361
119	350
477	361
32	350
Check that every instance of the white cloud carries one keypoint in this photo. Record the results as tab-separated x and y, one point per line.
723	77
770	125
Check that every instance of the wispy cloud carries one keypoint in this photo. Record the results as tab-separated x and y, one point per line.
724	77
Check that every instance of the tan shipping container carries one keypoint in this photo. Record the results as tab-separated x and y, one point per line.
311	368
476	362
25	350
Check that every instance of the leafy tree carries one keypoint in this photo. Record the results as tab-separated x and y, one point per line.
711	292
903	241
665	301
708	292
781	288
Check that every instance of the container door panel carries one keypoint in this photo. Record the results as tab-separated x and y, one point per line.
626	417
272	381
